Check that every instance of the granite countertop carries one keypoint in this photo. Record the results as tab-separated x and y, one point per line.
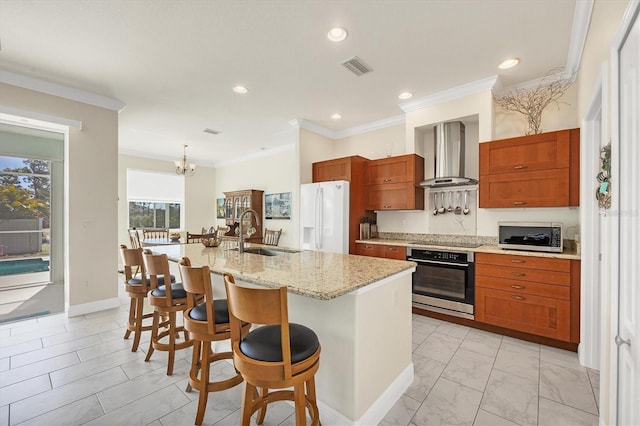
570	254
309	273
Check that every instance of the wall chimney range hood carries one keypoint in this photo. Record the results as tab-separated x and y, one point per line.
448	157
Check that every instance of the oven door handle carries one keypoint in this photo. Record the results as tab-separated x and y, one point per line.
436	262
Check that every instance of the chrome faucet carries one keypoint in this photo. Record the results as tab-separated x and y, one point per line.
241	231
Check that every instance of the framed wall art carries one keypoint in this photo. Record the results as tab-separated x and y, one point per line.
278	206
220	208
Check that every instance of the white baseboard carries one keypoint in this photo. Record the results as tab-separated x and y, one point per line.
87	308
378	409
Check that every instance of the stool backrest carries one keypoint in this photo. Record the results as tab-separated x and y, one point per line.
197	282
266	306
271	237
133	263
158	265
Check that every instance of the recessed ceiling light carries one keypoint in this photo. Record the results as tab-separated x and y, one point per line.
337	34
240	89
405	95
336	116
509	63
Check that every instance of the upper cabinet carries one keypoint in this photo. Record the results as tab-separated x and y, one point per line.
393	183
540	170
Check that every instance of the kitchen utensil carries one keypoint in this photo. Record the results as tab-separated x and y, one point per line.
441	210
458	209
450	208
433	202
466	210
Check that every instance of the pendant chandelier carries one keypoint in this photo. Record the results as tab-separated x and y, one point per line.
182	167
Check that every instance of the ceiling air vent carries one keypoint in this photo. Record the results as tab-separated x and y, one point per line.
356	66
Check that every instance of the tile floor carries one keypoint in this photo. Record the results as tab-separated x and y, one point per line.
71	371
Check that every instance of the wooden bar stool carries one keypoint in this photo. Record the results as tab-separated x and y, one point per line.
206	322
136	285
164	303
277	355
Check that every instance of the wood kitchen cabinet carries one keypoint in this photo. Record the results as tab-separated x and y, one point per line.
532	294
393	183
540	170
237	202
379	250
352	169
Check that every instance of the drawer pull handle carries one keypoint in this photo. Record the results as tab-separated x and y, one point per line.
387	206
518	274
519	297
518	287
517	261
520	167
519	203
387	180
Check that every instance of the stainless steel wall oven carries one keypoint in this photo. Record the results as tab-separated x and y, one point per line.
443	281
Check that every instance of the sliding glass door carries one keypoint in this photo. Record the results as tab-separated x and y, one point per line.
31	188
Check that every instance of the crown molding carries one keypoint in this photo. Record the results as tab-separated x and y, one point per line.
579	31
301	123
22	117
59	90
370	127
451	94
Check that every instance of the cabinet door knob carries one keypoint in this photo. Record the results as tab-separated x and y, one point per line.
519	203
518	297
387	180
518	287
520	167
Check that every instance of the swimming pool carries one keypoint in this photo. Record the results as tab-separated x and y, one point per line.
23	266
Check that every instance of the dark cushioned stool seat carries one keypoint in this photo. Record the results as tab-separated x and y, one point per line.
220	308
137	280
263	343
177	291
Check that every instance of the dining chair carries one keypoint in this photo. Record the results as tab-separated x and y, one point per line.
207	320
271	237
155	233
134	238
166	301
278	355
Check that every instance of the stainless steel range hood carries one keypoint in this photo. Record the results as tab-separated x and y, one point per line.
449	156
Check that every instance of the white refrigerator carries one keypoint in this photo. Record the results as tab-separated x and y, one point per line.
324	216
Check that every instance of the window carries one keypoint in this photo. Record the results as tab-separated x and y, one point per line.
156	200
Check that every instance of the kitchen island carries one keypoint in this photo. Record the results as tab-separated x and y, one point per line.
359	307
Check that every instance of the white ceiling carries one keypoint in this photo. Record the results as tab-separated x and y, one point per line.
174	63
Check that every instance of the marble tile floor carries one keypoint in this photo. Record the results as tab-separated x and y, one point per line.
74	371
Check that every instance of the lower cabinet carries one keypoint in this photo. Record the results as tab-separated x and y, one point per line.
535	295
379	250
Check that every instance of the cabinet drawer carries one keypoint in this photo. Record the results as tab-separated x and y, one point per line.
395	252
542	316
524	274
374	250
531	262
547	188
524	287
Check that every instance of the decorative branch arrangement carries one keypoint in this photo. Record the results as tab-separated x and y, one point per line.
531	102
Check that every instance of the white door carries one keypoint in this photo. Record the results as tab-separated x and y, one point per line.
628	337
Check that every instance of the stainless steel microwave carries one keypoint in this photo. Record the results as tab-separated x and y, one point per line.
531	236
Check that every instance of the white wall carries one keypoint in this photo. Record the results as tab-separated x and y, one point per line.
605	20
271	174
199	194
91	181
372	145
312	147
